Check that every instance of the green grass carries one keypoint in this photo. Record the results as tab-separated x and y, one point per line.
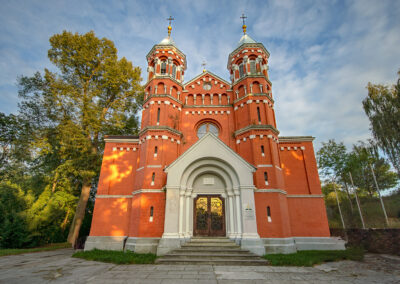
118	257
312	257
4	252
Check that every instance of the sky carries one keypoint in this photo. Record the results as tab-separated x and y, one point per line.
323	53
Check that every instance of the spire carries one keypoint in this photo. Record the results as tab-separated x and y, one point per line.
243	17
170	19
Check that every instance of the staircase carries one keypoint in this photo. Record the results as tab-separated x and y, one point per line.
211	250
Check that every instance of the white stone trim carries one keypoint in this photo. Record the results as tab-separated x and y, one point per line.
117	140
139	169
265	166
154	166
271	190
113	196
306	196
145	190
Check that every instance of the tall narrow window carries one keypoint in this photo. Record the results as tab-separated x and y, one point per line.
155	151
163	67
269	214
151	213
153	177
174	71
158	116
262	151
253	69
266	178
259	115
241	70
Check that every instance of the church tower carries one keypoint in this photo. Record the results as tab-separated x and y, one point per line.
254	111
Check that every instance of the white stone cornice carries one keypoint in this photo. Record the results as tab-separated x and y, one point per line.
271	190
113	196
147	191
305	196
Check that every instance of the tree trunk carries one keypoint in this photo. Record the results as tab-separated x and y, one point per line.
348	195
79	214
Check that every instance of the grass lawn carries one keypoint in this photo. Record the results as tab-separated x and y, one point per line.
312	257
4	252
118	257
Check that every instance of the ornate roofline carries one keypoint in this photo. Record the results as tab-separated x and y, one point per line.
207	72
239	48
164	46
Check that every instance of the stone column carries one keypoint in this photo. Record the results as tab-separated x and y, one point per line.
231	215
181	197
238	213
212	98
187	215
219	99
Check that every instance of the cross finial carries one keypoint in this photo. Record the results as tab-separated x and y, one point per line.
243	17
204	65
170	19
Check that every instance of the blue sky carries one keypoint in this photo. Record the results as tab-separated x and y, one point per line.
323	53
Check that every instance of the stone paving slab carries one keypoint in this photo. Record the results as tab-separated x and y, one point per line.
59	267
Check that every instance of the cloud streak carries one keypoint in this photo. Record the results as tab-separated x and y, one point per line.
323	53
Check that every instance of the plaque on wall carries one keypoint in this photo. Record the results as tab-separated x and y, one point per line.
208	181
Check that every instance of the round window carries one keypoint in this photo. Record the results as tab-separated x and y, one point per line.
207	127
207	86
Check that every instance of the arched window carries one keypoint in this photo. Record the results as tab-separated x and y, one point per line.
207	127
241	70
253	69
174	71
259	115
155	151
266	178
269	214
151	213
262	151
153	177
163	67
158	116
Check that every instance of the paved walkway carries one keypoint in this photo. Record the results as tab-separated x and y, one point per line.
58	267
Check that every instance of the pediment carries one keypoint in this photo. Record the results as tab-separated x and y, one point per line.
211	76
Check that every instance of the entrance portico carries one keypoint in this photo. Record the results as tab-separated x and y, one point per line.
210	167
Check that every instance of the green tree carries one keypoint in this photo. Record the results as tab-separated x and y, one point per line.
332	161
363	156
93	93
382	106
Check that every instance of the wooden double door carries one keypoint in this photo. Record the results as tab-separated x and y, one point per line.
209	215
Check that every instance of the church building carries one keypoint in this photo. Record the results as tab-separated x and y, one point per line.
209	161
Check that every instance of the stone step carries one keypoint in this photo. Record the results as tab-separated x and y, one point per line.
193	261
207	250
213	240
210	244
210	256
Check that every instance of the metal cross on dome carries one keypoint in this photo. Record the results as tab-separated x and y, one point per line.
204	65
243	17
170	19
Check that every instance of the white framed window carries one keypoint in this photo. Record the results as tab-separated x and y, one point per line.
241	70
174	71
253	69
163	67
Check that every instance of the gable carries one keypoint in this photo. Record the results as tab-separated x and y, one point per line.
207	76
210	146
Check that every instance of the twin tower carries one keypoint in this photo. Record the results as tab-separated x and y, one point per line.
209	161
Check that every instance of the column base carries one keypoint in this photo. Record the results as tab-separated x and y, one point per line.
105	243
319	243
142	245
